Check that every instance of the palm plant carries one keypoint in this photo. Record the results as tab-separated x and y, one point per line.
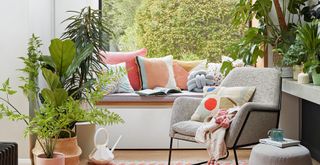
86	28
309	36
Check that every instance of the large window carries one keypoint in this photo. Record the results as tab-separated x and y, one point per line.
186	29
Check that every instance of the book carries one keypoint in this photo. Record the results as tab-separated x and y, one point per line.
158	91
282	144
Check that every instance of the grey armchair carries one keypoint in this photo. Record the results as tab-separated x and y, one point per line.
250	124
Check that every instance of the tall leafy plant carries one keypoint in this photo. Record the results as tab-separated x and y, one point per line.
91	34
309	35
280	35
58	109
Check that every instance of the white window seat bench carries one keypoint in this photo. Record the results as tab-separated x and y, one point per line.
147	120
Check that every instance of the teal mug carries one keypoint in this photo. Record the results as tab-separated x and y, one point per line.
276	134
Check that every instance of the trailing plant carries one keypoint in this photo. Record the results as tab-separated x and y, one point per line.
91	33
59	109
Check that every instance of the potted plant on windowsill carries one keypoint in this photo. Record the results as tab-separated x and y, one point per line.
58	108
295	57
309	36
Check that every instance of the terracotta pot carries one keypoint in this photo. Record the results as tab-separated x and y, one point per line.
67	146
58	159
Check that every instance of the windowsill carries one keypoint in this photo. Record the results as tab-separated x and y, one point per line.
308	92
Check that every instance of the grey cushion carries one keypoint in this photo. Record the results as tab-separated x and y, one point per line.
263	154
133	97
187	127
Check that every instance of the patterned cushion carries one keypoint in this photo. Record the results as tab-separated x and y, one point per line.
240	95
130	59
156	72
210	104
122	85
182	70
221	98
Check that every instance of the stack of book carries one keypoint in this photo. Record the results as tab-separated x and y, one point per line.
282	144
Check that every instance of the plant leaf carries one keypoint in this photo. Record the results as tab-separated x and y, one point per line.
62	53
52	79
81	56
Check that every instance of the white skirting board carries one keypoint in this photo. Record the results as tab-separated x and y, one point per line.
24	161
144	128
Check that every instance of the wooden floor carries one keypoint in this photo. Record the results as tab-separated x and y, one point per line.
186	155
193	156
162	155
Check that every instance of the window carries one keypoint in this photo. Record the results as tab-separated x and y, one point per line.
186	29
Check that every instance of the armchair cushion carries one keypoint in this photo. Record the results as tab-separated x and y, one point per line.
221	98
187	127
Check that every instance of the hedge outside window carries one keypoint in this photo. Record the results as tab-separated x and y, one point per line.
186	29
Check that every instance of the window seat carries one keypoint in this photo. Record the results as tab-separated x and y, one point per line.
130	99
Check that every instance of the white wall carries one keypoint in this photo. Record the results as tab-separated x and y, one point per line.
19	19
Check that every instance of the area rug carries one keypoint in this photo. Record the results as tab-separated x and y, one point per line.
224	162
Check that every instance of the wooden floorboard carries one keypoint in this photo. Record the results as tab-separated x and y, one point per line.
192	156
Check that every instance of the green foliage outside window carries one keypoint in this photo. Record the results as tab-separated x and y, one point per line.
194	28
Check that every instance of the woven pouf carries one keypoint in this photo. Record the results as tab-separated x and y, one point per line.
263	154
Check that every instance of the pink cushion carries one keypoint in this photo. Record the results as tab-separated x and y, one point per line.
180	75
130	59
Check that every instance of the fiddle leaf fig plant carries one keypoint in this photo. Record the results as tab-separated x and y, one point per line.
59	109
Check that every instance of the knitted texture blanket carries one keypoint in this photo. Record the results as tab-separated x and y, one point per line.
212	132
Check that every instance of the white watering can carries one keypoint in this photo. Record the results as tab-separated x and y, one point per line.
101	154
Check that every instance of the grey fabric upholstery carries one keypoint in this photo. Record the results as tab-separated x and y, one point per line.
262	154
186	127
265	99
182	110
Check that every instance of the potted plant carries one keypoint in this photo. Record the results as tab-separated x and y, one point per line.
280	35
58	108
309	36
295	57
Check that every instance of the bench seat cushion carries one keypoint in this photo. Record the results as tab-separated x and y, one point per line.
135	98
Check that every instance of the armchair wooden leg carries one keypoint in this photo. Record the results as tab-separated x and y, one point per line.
235	155
170	150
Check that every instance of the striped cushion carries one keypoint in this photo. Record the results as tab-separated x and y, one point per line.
156	72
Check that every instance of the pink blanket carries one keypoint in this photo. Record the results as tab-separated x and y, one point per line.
213	131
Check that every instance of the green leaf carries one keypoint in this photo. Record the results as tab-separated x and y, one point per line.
294	6
83	55
6	88
55	98
52	79
48	96
47	60
226	67
60	95
62	53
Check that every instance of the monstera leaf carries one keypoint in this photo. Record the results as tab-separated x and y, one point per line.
294	6
62	53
